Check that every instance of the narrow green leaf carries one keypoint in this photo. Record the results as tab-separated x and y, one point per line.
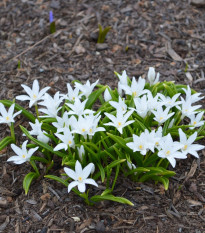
111	198
115	163
41	144
58	179
28	179
94	96
6	141
163	180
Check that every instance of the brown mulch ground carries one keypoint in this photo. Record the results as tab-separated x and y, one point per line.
166	34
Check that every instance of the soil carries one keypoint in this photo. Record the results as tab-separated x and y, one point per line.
166	34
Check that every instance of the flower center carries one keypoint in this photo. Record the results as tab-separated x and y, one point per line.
23	156
73	98
185	147
134	93
168	152
34	96
90	130
7	118
119	124
194	123
140	147
69	142
83	129
156	143
161	118
80	179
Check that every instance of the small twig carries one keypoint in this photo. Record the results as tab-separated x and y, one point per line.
76	44
37	43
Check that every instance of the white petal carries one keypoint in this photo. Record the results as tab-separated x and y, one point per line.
16	149
31	151
27	89
72	185
3	110
23	97
87	170
70	173
35	86
172	161
81	187
61	146
91	181
11	110
78	168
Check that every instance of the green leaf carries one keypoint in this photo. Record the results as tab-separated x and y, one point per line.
58	179
110	197
94	96
163	180
102	33
27	114
102	172
28	179
138	169
41	144
5	142
115	163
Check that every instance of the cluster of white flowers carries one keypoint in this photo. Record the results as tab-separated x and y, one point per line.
76	119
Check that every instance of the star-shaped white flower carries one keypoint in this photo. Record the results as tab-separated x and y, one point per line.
87	88
192	98
188	146
141	106
23	155
162	115
170	150
67	139
168	101
120	104
120	121
8	117
80	176
72	93
196	120
33	94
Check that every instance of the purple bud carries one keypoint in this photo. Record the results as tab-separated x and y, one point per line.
50	16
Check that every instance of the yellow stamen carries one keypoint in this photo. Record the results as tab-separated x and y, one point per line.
140	147
7	118
24	156
156	143
83	130
119	124
185	147
168	152
194	123
73	98
69	142
134	93
80	179
161	118
34	96
90	130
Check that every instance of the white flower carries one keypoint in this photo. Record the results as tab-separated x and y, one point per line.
146	141
152	102
107	96
78	108
186	108
131	166
188	146
120	104
152	77
191	98
86	89
72	94
168	101
170	150
136	89
22	154
122	81
62	122
120	121
162	115
51	104
67	140
8	117
158	135
33	94
87	125
36	130
80	176
141	106
196	120
81	152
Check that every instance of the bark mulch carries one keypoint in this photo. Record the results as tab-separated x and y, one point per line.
166	34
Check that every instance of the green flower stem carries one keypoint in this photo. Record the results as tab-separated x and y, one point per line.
116	175
12	132
37	112
160	161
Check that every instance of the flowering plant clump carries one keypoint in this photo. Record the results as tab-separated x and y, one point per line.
140	130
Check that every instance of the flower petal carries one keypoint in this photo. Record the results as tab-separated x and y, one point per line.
91	181
70	173
81	187
16	149
78	168
72	185
87	170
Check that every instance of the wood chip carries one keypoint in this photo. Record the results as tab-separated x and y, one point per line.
172	53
